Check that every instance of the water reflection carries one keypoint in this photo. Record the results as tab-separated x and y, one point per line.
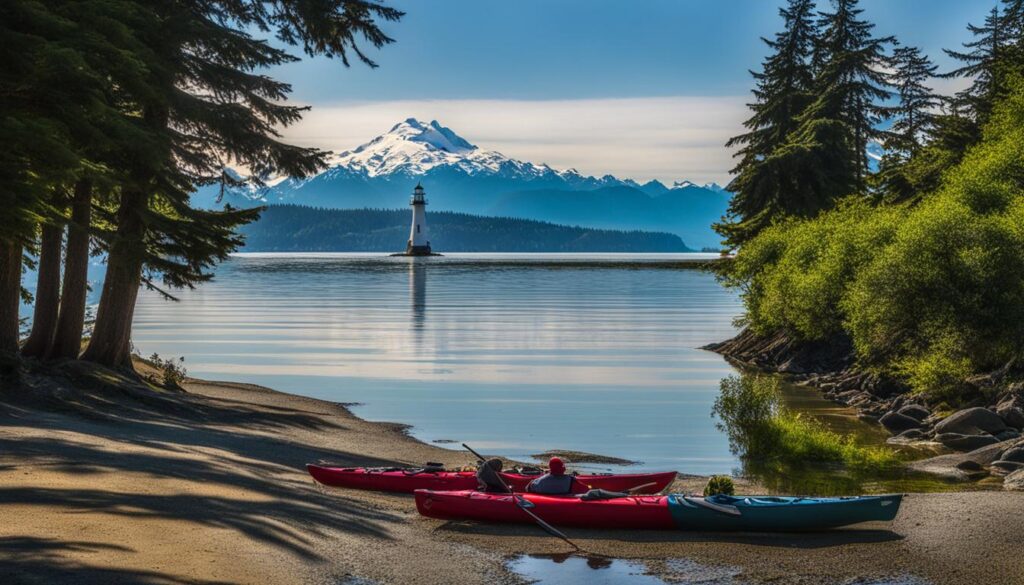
585	570
418	297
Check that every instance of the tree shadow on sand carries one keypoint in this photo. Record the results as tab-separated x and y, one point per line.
215	441
43	560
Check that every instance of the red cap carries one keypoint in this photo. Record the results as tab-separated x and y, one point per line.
556	467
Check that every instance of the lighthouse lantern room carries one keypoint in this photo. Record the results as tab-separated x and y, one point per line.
418	244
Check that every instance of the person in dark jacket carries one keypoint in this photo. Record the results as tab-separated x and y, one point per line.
487	478
555	482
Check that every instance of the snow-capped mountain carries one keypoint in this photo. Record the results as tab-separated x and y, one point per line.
459	176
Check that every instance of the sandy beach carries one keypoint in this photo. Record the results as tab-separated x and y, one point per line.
209	486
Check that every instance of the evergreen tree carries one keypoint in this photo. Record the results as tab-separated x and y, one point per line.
50	99
982	62
202	103
913	120
850	84
783	90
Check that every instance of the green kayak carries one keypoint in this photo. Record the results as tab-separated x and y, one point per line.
772	513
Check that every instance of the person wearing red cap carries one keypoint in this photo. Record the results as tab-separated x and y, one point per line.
555	482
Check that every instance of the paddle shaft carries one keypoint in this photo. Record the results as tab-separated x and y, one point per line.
521	504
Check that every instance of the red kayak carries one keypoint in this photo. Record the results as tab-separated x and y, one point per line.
410	480
712	513
636	512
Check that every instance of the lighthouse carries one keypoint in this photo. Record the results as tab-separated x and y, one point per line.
418	244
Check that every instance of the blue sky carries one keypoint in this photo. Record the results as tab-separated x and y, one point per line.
560	81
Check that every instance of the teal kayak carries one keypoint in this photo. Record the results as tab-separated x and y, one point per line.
772	513
676	511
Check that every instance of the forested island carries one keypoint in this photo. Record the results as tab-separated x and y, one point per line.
297	228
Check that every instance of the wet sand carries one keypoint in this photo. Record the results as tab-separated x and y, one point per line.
209	486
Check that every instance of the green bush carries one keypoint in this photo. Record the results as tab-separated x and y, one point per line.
172	371
931	293
719	484
761	429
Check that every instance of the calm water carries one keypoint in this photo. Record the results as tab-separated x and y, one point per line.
513	354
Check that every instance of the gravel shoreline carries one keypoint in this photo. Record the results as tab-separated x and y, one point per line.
214	491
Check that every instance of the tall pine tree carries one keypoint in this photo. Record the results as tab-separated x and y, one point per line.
52	96
851	83
982	61
205	102
782	92
913	119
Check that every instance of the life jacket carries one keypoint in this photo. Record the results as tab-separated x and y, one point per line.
554	485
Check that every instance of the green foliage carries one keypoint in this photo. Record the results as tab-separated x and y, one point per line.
761	429
931	293
295	228
719	484
172	371
794	274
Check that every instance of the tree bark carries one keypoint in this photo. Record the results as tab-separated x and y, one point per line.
10	295
111	337
67	341
47	297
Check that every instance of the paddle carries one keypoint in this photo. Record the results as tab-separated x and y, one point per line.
634	490
525	505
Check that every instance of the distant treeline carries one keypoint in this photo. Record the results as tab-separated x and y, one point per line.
297	228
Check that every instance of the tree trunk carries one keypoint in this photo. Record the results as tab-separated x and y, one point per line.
10	295
67	341
110	344
47	301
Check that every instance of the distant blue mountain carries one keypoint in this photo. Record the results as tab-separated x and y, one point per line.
461	177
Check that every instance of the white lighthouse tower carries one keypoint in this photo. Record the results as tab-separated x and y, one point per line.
418	244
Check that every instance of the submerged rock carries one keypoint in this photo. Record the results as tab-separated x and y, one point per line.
971	421
907	437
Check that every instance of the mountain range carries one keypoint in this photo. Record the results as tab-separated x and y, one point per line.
459	176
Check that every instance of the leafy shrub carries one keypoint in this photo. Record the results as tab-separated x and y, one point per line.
760	428
172	370
930	293
719	484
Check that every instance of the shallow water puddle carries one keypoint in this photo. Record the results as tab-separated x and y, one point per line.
576	570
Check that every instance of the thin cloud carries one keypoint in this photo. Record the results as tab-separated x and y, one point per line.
668	139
